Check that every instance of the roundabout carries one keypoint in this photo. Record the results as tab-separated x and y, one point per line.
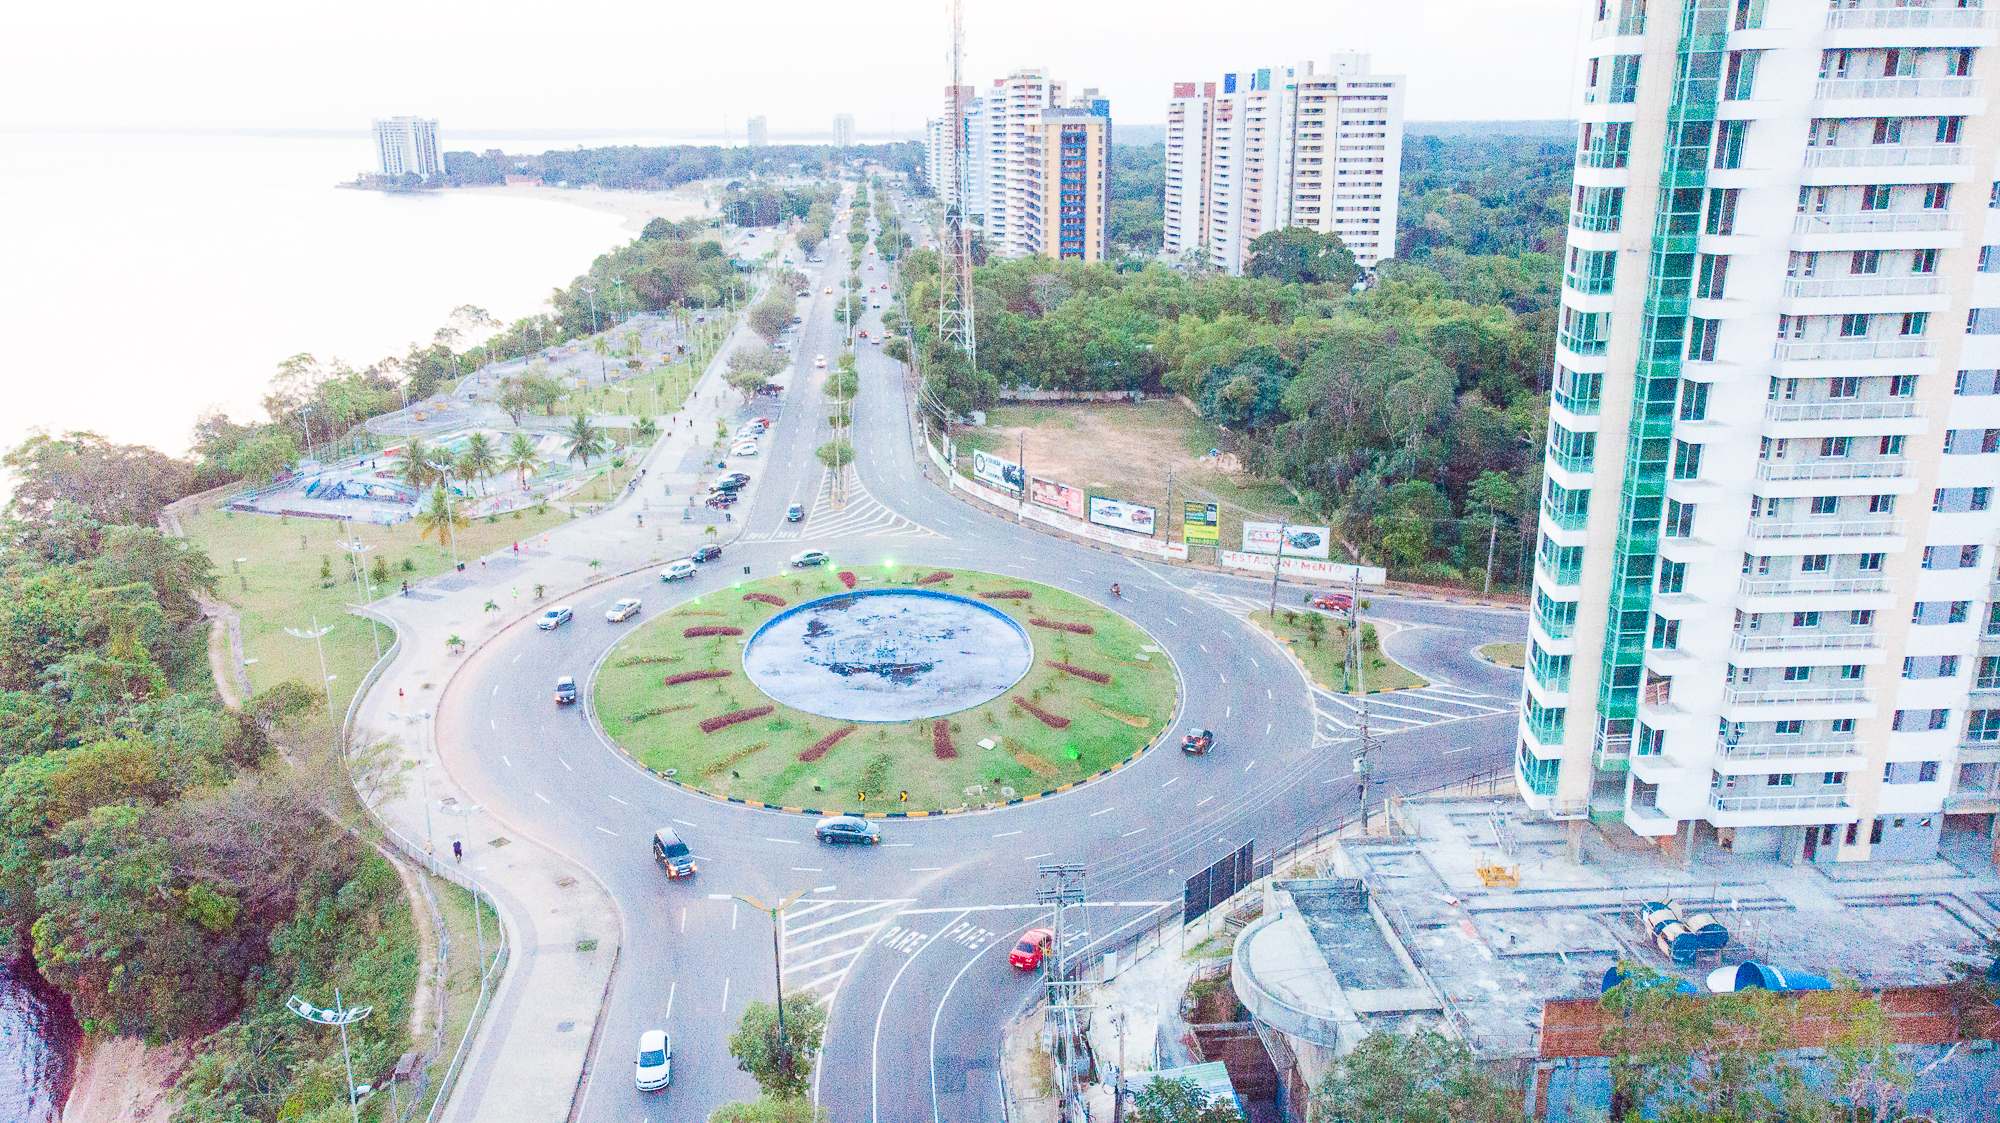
912	690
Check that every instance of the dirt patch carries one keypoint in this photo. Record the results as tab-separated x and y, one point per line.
120	1080
1036	764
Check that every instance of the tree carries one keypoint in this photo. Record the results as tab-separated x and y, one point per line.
1180	1101
770	316
441	516
770	1111
645	429
1421	1078
1297	255
1315	628
416	470
479	461
516	398
263	456
835	454
782	1069
521	458
115	483
583	439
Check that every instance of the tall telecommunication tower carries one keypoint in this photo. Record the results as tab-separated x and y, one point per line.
955	281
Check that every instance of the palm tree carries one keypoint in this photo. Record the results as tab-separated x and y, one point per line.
417	471
521	458
585	440
478	461
603	348
646	429
440	517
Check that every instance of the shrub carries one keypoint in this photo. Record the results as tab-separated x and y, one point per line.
693	676
724	721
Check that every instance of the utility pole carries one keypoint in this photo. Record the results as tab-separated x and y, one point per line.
1492	536
777	958
1062	885
1021	457
1357	679
1277	567
315	635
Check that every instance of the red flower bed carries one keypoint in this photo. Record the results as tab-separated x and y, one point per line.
1058	625
693	676
820	746
941	746
766	598
1011	594
711	630
1048	719
847	578
1098	677
724	721
934	578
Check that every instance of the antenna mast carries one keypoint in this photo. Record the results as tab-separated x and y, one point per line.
955	279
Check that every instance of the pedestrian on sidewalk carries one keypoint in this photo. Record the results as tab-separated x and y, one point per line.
457	850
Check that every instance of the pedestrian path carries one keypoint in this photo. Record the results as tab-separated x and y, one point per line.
864	516
822	939
1396	711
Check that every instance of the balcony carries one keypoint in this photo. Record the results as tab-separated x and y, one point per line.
1826	528
1853	350
1894	19
1805	641
1786	749
1595	223
1915	284
1832	468
1794	694
1843	410
1720	802
1845	89
1876	222
1609	159
1888	156
1565	520
1813	583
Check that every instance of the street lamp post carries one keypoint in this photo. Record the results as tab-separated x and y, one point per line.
591	292
777	957
325	679
357	555
335	1016
450	524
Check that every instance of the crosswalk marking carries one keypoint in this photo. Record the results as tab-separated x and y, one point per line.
864	516
828	936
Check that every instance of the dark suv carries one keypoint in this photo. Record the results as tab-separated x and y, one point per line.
672	854
707	553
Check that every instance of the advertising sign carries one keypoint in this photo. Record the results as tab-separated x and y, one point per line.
1122	516
995	471
1340	572
1060	497
1201	523
1300	541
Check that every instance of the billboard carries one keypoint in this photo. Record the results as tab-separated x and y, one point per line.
1305	567
1122	516
1300	541
1060	497
1200	522
993	470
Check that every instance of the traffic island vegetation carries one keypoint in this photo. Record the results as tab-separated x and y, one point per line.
1320	642
1513	655
999	750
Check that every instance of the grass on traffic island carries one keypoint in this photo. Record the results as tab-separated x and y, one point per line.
1091	699
1513	655
1327	660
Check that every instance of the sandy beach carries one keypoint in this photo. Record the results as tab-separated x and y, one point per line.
635	207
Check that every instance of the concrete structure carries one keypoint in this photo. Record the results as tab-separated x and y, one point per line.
843	130
940	150
1285	146
407	145
1021	190
1764	601
759	133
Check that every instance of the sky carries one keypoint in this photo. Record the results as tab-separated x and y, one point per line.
690	69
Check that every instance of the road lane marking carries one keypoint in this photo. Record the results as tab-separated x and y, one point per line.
682	822
1254	663
807	869
517	658
543	798
1106	811
1190	612
1205	800
613	834
668	1016
1249	766
565	764
1005	834
1267	729
725	996
1129	834
786	841
510	763
684	918
615	799
1172	782
1267	692
496	691
1032	857
1455	752
1223	677
1204	648
925	869
898	844
492	724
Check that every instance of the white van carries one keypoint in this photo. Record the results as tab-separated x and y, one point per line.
678	570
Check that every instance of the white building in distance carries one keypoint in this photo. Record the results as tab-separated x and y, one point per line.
405	145
1285	146
843	130
760	134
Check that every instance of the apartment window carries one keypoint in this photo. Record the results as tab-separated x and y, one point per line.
1923	261
1815	563
1749	14
1791	727
1875	197
1798	674
1846	386
1915	721
1679	521
1729	143
1890	445
1930	613
1937	196
1836	446
1673	576
1832	779
1988	675
1710	275
1881	504
1976	383
1903	386
1825	504
1914	322
1687	460
1805	619
1853	672
1869	563
1989	262
1741	75
1948	129
1666	633
1778	780
1624	79
1970	442
1982	725
1854	325
1930	666
1864	261
1701	339
1960	500
1888	130
1982	321
1861	617
1721	210
1694	400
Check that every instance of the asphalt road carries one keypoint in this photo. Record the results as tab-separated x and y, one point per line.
908	940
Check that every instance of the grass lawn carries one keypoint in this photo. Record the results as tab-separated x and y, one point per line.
1124	451
278	585
1327	663
1513	655
660	725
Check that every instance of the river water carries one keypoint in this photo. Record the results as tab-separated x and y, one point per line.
145	277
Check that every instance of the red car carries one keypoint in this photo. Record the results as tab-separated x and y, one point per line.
1027	955
1339	602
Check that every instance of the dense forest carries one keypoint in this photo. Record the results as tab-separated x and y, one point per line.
1411	412
169	870
636	168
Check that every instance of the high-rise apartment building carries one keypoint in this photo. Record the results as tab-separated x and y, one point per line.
940	145
406	145
1280	147
1764	599
843	130
1015	167
759	133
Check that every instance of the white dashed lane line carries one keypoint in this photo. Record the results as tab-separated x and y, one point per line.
543	798
615	799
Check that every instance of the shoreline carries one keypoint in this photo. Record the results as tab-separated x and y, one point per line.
636	208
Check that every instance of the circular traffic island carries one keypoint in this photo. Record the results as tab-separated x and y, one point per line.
884	689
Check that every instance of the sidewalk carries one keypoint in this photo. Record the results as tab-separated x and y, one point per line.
532	1052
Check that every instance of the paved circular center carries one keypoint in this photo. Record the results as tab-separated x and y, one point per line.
887	655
